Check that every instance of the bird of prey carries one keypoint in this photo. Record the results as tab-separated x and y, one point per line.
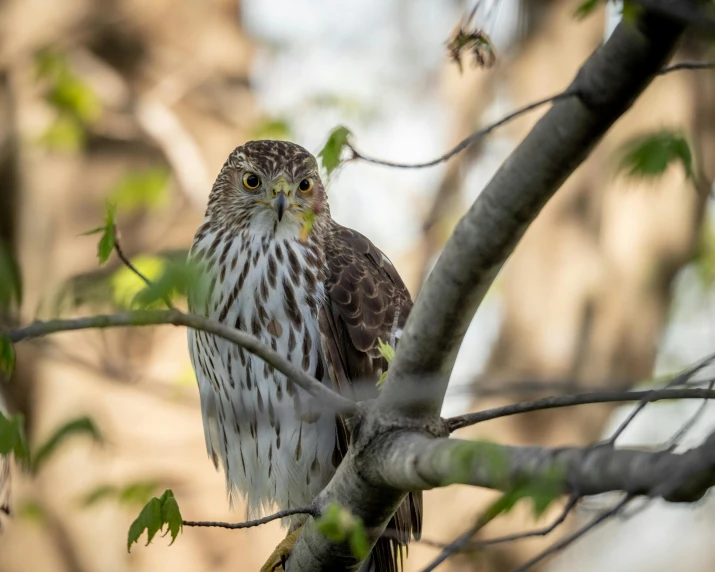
320	294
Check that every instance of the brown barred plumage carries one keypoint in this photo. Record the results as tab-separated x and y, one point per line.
322	303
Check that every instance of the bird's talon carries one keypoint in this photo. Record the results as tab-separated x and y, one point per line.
277	560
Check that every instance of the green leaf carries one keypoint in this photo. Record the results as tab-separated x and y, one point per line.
103	492
149	519
586	8
105	246
12	437
65	134
126	285
177	279
630	12
332	524
7	357
157	513
147	188
10	282
330	153
171	515
465	456
649	156
79	426
138	493
359	544
338	525
386	350
32	510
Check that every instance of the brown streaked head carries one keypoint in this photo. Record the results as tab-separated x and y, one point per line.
267	183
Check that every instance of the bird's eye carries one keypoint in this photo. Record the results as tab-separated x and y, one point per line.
251	181
305	186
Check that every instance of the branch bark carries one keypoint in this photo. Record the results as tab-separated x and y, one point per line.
397	441
315	388
607	84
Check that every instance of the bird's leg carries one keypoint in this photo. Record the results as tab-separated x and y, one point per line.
282	552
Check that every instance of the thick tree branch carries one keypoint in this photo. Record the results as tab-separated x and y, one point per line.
607	84
174	317
418	462
396	445
467	419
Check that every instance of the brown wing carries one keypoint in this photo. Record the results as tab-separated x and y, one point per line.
366	300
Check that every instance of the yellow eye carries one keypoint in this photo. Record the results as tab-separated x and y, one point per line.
305	186
251	181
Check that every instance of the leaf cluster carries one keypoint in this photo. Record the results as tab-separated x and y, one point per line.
157	513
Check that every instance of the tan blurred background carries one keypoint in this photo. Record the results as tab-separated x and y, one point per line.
141	102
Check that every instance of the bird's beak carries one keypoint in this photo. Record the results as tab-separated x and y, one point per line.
280	192
280	203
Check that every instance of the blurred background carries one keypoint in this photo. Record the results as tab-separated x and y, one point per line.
140	103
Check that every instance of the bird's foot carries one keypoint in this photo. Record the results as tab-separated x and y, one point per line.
276	561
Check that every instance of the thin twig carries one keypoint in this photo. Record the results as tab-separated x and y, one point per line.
309	510
474	137
156	317
494	510
461	421
564	542
128	264
675	439
479	544
469	140
687	66
676	381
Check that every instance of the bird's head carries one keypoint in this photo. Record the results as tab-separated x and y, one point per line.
267	186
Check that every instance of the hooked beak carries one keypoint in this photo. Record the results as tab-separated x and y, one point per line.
279	204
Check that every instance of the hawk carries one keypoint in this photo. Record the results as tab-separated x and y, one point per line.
322	299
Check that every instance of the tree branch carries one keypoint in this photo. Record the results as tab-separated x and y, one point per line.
675	382
156	317
310	510
461	421
607	84
397	442
484	131
564	542
417	462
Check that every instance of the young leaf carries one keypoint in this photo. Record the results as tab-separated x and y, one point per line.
105	246
101	493
12	437
332	523
149	519
330	153
155	514
359	544
171	515
79	426
126	285
141	189
7	357
386	350
177	279
132	494
648	156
